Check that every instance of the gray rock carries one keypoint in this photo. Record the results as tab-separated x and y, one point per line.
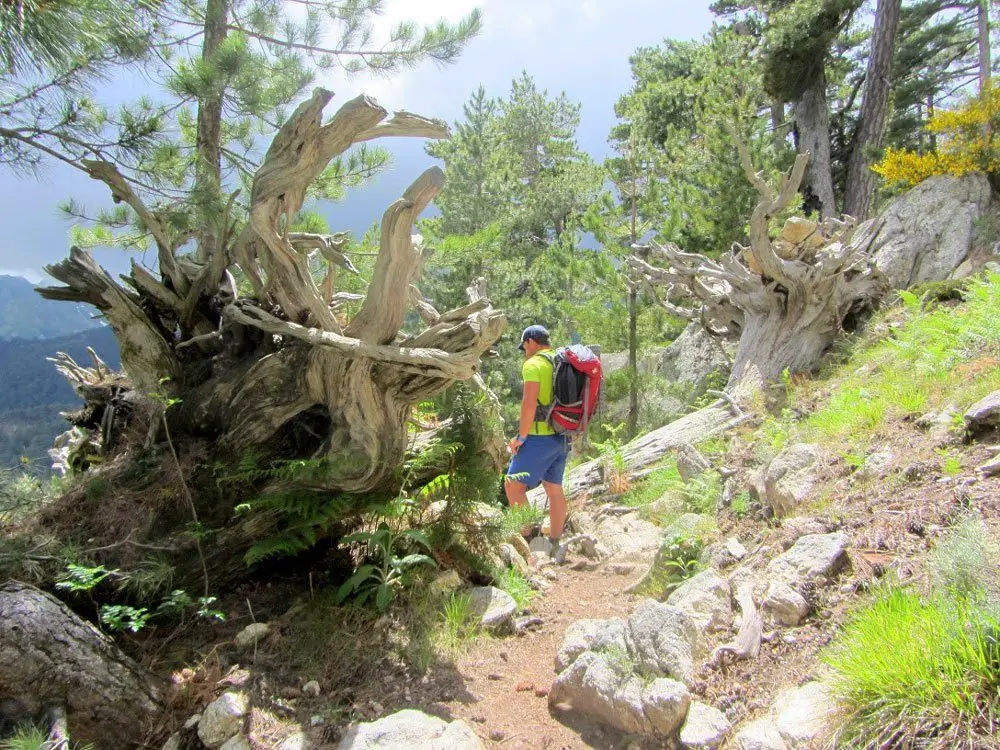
540	544
173	742
494	608
512	559
814	557
222	719
445	583
985	414
692	358
723	554
663	639
790	477
928	232
252	634
802	713
760	735
786	604
311	688
589	635
413	730
239	742
192	721
707	599
878	464
516	541
705	727
297	741
604	685
629	537
799	526
690	463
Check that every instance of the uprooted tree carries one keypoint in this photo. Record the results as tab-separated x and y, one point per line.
786	300
279	372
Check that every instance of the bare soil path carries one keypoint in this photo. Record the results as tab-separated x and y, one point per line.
511	676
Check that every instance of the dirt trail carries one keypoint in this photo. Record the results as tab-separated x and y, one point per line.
505	674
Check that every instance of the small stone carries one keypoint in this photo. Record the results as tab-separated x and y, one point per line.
311	688
239	742
222	719
252	634
173	742
290	692
541	692
494	608
524	687
297	741
497	735
787	605
494	677
316	721
705	727
984	414
192	721
479	719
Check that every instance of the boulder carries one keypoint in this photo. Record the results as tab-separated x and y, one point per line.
786	604
589	635
604	685
222	719
802	713
790	477
926	233
814	557
252	634
707	599
985	414
512	559
413	730
629	537
760	735
494	608
705	727
690	463
662	639
692	358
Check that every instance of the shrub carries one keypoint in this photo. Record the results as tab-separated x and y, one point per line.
909	668
966	563
966	144
677	560
517	586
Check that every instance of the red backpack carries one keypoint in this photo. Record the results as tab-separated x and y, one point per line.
576	388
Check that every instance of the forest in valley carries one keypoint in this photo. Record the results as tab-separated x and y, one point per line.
312	421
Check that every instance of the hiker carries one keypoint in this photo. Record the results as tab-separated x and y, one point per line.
539	454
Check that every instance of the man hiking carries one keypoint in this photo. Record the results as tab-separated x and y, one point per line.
539	454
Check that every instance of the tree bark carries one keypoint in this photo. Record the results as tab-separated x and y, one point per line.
812	119
983	26
208	171
279	372
874	108
50	659
791	306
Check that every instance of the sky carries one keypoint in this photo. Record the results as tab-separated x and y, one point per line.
580	47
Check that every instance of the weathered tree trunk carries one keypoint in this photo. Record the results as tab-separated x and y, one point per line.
788	307
983	26
812	119
874	107
51	660
278	372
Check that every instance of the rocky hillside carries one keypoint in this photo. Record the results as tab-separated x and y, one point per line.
25	315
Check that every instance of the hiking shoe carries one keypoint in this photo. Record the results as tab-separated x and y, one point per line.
558	552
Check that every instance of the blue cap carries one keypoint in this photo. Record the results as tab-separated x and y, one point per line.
535	333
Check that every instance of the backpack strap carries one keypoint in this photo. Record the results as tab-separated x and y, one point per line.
544	411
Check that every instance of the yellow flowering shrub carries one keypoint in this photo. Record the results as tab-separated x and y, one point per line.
967	142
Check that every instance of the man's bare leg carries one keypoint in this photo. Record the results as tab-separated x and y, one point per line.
517	495
557	508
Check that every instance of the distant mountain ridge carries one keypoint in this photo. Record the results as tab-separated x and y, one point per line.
24	314
32	392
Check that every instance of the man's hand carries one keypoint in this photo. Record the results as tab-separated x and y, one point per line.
515	444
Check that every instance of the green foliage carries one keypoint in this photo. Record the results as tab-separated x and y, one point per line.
612	455
699	495
654	485
516	585
677	560
31	737
390	570
460	624
740	506
518	517
118	617
931	355
910	667
966	563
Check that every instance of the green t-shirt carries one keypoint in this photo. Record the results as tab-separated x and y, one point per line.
538	369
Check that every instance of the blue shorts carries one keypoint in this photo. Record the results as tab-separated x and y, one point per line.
542	458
